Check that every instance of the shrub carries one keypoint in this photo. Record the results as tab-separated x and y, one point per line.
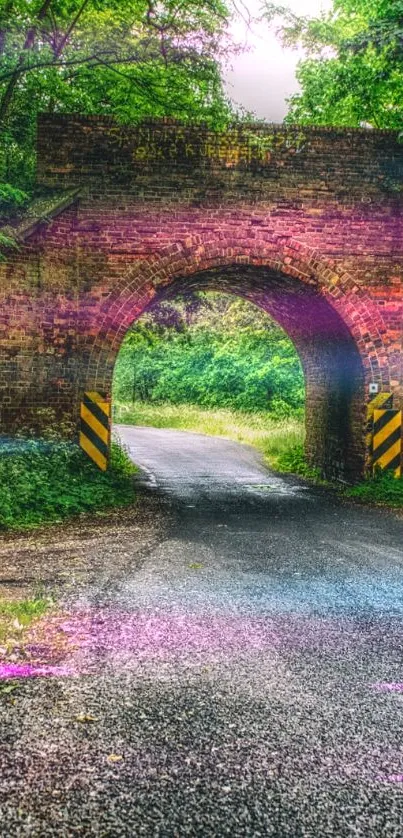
11	199
229	355
43	481
382	488
294	460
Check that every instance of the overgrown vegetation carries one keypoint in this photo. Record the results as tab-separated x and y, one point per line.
214	351
382	488
43	481
293	459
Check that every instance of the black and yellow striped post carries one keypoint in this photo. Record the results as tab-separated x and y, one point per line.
95	428
387	441
382	401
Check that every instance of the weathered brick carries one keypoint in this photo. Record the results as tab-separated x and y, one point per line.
305	223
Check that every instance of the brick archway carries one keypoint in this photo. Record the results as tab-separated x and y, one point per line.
306	223
338	336
140	283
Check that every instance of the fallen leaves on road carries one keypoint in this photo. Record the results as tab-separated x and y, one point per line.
7	688
85	718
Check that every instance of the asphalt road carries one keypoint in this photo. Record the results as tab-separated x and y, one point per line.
228	661
185	465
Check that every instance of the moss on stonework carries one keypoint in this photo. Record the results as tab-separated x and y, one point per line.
38	211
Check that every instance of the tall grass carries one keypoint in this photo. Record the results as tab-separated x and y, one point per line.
273	437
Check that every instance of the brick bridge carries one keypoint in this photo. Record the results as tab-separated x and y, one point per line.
304	222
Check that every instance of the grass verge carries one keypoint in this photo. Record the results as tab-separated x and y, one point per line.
275	438
19	615
43	482
280	440
383	488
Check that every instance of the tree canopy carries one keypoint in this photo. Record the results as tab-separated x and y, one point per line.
127	58
211	350
353	72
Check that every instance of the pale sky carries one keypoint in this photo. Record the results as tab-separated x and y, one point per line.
263	78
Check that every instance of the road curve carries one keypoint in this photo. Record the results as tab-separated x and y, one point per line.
185	464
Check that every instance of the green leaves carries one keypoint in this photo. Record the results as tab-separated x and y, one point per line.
353	72
11	197
46	481
293	460
215	351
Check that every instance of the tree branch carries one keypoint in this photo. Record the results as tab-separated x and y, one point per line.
28	44
65	38
87	59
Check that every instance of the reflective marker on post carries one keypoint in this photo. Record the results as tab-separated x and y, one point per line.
95	428
380	401
387	443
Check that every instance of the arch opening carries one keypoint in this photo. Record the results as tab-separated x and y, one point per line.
329	355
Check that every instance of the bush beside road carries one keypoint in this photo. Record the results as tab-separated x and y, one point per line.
47	481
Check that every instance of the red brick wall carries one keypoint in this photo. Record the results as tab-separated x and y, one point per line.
306	223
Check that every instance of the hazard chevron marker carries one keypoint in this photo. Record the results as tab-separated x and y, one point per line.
387	443
95	428
382	401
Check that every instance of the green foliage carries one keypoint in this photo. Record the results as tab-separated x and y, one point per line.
11	199
47	481
293	460
382	488
15	618
127	58
25	610
213	351
7	242
353	72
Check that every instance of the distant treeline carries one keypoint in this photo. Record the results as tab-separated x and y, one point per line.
211	350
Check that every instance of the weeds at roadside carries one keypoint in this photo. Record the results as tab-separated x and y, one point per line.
293	460
273	437
383	488
44	481
16	618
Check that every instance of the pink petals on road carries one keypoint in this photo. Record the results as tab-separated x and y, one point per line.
27	670
86	641
392	687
